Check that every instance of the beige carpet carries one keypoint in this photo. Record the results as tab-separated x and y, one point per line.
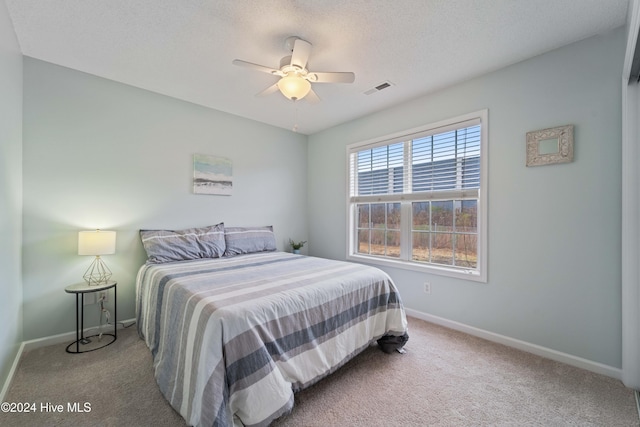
446	378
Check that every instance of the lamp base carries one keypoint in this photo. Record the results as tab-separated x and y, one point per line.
97	273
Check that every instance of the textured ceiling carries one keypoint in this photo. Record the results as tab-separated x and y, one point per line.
184	48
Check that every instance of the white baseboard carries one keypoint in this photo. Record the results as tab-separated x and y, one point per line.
44	342
538	350
66	337
12	372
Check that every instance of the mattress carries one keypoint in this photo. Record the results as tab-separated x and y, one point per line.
233	338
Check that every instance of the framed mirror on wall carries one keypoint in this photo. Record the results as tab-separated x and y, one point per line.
550	146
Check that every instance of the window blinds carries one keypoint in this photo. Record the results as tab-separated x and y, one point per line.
440	163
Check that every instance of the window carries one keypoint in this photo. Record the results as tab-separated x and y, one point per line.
418	199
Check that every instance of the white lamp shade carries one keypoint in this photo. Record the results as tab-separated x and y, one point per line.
96	242
294	87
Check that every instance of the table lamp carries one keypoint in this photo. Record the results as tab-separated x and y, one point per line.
97	243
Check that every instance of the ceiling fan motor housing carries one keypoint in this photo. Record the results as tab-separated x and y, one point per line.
285	62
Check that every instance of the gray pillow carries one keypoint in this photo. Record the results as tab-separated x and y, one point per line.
180	245
247	240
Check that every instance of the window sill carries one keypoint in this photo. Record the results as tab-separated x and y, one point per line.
431	269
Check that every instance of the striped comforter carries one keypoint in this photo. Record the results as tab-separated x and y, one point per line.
233	338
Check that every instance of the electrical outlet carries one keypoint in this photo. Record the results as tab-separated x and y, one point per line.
103	296
427	288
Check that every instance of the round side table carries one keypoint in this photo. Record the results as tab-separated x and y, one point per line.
80	289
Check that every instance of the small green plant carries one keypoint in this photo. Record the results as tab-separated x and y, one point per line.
296	245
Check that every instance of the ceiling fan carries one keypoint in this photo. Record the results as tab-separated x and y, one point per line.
295	79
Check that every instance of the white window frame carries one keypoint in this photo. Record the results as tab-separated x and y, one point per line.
480	273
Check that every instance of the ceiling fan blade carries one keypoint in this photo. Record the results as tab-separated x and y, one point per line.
268	91
300	54
312	97
330	77
256	67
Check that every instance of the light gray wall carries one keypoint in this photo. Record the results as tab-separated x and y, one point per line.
554	231
99	154
10	193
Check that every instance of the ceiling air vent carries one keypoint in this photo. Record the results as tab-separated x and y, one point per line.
379	87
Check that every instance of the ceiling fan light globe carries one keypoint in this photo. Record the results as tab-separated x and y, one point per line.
294	87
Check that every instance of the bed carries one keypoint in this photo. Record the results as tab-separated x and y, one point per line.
233	337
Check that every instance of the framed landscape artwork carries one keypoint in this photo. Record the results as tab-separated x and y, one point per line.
212	175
